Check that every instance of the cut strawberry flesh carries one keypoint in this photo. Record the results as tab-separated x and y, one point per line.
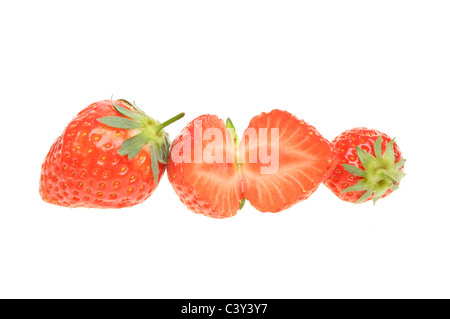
303	162
204	186
215	192
281	161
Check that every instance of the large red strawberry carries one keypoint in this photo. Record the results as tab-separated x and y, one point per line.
111	155
280	161
370	166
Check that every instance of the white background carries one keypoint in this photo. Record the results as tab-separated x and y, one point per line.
336	64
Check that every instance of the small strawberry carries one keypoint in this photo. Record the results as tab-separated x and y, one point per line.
370	166
273	172
305	158
111	155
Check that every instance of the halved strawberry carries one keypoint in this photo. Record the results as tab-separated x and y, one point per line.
305	158
205	185
281	160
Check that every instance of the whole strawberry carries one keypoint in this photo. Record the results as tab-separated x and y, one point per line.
370	166
111	155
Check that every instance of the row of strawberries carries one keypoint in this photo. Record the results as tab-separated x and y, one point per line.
113	155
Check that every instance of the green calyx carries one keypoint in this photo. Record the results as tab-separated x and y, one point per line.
150	132
235	139
380	172
230	127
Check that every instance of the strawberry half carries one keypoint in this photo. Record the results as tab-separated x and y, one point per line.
205	186
370	166
111	155
280	161
305	157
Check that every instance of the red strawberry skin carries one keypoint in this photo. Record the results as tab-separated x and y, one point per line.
211	189
83	167
345	145
305	159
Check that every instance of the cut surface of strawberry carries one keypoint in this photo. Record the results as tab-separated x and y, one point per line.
304	158
280	161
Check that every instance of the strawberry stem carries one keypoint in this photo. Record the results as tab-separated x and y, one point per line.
168	122
150	132
388	177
